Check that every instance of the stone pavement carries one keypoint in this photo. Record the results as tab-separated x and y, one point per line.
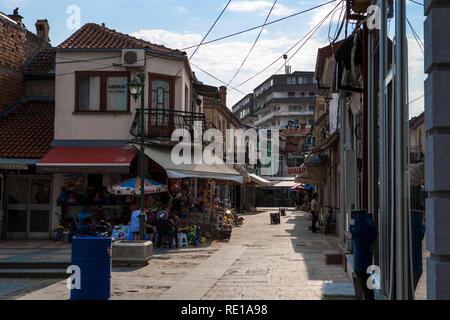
30	251
261	261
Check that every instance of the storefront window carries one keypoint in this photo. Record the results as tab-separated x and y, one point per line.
17	191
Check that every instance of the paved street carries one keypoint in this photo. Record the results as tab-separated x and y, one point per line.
261	261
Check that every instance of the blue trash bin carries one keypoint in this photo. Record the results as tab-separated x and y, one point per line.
93	256
363	235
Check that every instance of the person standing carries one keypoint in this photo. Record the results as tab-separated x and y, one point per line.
315	211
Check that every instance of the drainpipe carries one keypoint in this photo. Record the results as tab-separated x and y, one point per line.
383	145
401	155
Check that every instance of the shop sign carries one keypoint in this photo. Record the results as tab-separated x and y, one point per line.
297	171
75	181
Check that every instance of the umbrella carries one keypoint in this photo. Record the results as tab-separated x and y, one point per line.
133	186
299	187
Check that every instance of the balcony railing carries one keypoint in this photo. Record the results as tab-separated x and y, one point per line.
162	122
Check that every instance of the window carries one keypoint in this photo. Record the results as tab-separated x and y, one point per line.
289	80
311	108
300	80
291	94
102	92
295	108
161	100
312	94
116	94
314	80
302	94
89	93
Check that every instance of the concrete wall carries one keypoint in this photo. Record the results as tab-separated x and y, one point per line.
437	163
96	126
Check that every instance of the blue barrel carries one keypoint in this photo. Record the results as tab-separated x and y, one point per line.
364	235
93	256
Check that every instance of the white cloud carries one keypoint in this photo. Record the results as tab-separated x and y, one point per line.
171	39
416	77
320	13
222	59
262	7
181	10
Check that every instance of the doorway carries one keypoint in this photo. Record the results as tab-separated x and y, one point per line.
28	207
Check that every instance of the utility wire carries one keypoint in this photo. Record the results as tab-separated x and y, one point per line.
257	27
420	4
204	38
416	36
214	77
227	36
291	48
417	99
310	36
254	43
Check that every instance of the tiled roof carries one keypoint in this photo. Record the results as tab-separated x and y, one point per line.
94	36
41	63
26	132
293	143
325	52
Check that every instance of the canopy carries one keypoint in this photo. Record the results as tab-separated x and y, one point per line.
259	180
163	157
287	184
315	175
87	160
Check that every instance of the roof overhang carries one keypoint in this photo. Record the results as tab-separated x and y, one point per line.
87	160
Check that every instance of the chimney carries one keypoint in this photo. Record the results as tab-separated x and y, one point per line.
223	94
16	16
43	30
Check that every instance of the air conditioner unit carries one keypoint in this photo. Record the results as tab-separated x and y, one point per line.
133	57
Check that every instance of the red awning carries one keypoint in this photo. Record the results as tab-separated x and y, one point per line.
87	160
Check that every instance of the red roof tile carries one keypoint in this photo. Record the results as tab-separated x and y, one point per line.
325	52
27	131
293	143
94	36
41	63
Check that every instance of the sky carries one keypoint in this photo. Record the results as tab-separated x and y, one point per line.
182	23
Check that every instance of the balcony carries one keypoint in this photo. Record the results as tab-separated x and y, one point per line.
160	123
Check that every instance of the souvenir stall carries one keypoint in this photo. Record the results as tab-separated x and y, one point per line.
87	206
203	216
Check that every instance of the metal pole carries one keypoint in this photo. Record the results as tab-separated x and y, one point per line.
142	160
401	156
383	136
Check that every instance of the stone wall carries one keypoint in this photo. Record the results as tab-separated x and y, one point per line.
437	163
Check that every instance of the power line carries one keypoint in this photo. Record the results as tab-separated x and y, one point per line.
257	27
416	36
254	43
214	77
417	99
420	4
204	38
291	48
310	36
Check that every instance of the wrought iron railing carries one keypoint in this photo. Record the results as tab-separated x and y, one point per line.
162	122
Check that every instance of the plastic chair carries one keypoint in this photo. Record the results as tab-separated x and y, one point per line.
182	240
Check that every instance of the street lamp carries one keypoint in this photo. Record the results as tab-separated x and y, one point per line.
136	87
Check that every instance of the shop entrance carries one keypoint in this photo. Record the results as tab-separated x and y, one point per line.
28	207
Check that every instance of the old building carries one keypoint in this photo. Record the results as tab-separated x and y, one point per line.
244	110
18	46
27	89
